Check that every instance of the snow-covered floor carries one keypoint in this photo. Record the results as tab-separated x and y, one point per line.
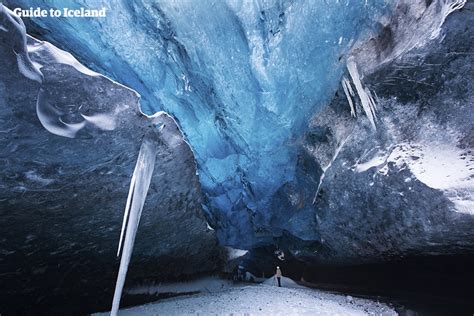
263	299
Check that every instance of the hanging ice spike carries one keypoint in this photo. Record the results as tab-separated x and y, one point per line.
139	186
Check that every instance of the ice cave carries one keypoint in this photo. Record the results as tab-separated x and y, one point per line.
163	157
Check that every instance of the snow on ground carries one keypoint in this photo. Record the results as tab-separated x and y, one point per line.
262	299
285	282
208	284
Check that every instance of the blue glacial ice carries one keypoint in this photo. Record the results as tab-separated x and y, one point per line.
242	78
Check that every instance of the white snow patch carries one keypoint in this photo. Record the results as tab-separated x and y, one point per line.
441	166
262	300
464	206
449	169
377	160
285	282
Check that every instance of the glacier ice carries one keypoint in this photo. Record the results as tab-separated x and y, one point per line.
406	188
346	85
321	178
15	28
366	99
139	186
241	94
243	80
412	25
62	199
322	187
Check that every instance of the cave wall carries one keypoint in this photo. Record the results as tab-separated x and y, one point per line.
62	198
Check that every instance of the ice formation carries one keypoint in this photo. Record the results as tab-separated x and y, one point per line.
366	99
438	164
16	29
405	189
346	85
244	79
336	153
139	186
241	94
66	196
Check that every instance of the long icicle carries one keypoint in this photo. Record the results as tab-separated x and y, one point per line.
127	210
346	85
366	99
139	186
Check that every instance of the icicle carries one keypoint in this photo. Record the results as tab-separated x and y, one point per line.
127	210
336	153
139	186
366	99
346	85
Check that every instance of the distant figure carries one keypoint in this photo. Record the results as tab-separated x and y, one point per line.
278	276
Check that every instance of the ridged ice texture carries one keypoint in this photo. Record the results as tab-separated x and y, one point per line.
69	141
241	77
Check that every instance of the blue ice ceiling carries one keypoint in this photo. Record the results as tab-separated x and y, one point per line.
242	78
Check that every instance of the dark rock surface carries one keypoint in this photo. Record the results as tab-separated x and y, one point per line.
62	199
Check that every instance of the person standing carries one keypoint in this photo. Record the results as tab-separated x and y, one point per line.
278	276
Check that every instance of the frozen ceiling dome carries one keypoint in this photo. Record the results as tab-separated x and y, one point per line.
243	81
